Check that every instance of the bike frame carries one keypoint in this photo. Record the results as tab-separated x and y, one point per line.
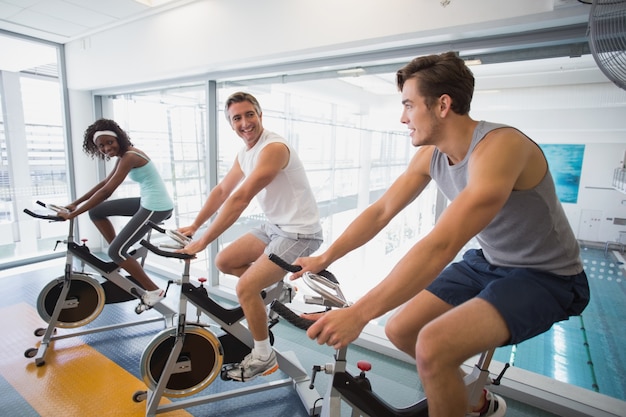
108	270
354	391
229	320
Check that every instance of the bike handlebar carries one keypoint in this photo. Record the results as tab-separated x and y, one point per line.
291	317
159	251
44	216
156	227
165	253
53	207
284	264
296	268
324	283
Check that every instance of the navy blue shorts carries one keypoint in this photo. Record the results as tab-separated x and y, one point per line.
529	300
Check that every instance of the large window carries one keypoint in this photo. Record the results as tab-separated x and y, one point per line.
349	165
170	126
353	147
33	163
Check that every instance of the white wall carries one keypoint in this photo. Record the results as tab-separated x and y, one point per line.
215	35
596	195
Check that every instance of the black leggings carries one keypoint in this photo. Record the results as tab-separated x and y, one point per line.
134	230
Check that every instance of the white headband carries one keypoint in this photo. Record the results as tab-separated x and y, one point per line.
103	132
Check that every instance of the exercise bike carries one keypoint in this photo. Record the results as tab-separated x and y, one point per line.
185	359
77	298
356	391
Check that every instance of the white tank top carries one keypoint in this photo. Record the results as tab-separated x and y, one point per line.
288	200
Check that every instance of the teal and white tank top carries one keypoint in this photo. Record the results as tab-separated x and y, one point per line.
152	190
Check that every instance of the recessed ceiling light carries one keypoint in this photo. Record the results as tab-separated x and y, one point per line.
470	62
351	72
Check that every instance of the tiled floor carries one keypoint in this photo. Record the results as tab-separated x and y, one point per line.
100	372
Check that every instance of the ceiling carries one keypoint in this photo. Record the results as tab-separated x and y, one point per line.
59	22
62	21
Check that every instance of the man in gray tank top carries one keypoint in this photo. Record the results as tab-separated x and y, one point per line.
527	274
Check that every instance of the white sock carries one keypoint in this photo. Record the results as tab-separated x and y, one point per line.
262	349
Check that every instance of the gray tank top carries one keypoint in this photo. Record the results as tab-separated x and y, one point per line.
531	230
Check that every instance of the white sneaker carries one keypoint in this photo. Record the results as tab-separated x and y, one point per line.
495	406
150	298
252	367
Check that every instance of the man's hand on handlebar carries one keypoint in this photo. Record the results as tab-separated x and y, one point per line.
313	316
193	247
336	328
308	264
187	230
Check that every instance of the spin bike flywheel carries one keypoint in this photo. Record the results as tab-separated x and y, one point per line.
198	364
83	303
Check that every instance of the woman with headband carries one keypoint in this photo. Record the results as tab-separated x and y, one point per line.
105	139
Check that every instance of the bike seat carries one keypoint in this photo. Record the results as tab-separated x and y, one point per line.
83	252
199	297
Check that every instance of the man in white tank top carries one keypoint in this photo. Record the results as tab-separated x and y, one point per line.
527	275
269	169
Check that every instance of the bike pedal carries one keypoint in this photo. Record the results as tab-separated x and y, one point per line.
225	369
141	308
